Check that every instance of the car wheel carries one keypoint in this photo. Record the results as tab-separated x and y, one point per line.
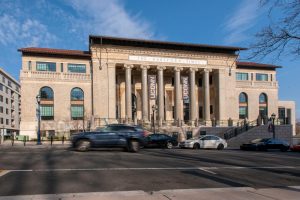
196	146
169	145
134	146
220	147
83	145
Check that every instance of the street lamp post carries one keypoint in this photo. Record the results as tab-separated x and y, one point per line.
38	100
154	108
273	116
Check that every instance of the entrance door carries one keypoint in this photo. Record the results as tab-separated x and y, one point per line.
186	112
134	106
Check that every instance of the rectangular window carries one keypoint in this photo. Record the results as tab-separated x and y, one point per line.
29	65
262	77
241	76
47	112
6	90
46	66
6	100
1	86
1	109
3	79
77	112
9	83
1	98
6	110
61	67
242	112
7	122
1	120
77	68
271	77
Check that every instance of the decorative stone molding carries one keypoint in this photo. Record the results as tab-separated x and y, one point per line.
177	69
128	66
145	67
161	68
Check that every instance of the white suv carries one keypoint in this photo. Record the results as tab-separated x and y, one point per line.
204	142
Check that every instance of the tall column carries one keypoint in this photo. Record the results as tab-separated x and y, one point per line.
221	94
178	98
111	90
206	95
161	94
145	115
128	93
192	95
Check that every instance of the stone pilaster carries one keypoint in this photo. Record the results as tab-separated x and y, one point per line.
206	94
192	95
178	97
161	94
145	103
128	92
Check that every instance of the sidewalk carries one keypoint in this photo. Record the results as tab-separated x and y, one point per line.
242	193
32	144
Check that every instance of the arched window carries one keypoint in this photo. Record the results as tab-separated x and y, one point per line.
47	103
243	105
263	105
77	104
46	93
77	94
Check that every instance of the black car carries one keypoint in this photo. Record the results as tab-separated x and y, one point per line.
265	144
113	135
160	140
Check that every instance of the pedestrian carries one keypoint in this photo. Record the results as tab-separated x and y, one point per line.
63	139
51	139
12	139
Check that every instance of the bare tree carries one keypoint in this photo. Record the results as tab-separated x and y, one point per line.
282	35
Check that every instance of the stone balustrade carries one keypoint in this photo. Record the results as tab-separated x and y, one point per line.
256	84
55	75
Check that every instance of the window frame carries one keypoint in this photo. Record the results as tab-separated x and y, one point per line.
48	68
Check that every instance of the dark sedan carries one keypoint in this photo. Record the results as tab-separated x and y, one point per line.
160	140
265	144
113	135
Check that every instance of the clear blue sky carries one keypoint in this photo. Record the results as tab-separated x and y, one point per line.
67	24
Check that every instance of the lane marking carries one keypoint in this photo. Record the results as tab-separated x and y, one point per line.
3	172
206	169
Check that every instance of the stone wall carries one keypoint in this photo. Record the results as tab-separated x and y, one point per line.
283	132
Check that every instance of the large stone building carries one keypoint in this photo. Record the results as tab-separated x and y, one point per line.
10	105
127	80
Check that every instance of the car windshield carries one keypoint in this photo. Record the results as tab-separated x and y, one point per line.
260	140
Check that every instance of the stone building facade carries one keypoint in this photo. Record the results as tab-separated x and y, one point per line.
143	81
10	104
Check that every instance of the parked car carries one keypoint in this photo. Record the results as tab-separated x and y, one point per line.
205	142
113	135
295	147
265	144
160	140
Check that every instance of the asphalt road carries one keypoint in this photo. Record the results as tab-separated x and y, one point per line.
49	171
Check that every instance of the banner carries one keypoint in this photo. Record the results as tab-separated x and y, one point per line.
185	89
152	86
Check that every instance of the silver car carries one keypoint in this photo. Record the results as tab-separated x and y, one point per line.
204	142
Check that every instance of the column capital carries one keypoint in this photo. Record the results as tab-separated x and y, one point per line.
160	68
177	69
128	66
191	69
145	67
207	70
